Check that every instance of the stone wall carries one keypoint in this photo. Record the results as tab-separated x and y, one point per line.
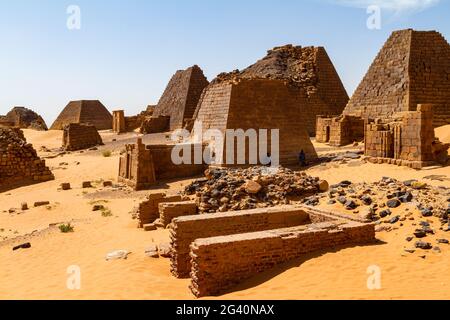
80	136
219	263
143	166
171	210
19	162
148	210
181	96
155	125
339	131
407	141
185	230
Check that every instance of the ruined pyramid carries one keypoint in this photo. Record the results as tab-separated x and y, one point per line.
181	96
308	70
91	112
412	68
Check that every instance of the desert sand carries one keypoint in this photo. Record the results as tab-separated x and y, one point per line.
41	271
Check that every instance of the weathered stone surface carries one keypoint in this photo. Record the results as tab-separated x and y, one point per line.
80	136
23	118
90	112
19	162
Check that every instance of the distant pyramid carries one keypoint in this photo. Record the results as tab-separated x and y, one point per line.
412	68
91	112
181	96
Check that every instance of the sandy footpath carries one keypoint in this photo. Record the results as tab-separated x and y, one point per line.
41	272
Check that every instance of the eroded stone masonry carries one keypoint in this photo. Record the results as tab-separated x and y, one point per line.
411	70
90	112
19	162
408	141
309	73
23	118
181	97
80	136
144	166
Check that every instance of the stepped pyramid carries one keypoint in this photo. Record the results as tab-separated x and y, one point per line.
181	96
91	112
305	69
412	68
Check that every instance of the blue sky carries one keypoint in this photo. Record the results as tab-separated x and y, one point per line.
126	50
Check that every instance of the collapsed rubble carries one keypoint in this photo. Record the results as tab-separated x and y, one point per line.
257	187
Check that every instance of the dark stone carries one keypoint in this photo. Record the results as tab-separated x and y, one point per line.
407	197
385	213
350	205
427	212
419	233
409	183
342	199
409	239
423	245
443	241
366	200
332	201
22	246
393	203
394	220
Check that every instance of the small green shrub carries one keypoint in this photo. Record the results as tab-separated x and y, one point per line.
66	228
106	153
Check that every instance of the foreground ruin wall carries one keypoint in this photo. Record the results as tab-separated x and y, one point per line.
91	112
408	141
23	118
144	166
220	263
19	162
185	230
181	96
148	210
80	136
258	104
412	68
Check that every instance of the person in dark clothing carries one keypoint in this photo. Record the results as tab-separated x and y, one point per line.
302	158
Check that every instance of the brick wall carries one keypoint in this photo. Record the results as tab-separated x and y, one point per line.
19	161
80	136
339	131
148	210
155	124
220	263
171	210
185	230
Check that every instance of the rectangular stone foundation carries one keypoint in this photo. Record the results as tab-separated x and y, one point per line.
220	263
148	210
186	230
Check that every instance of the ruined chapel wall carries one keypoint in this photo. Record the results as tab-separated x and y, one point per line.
220	263
80	136
186	229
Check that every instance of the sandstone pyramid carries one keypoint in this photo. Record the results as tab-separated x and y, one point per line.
259	104
412	68
23	118
307	69
91	112
181	96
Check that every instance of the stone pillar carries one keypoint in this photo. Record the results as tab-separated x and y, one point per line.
119	121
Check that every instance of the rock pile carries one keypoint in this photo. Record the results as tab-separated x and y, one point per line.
19	160
24	118
257	187
292	63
